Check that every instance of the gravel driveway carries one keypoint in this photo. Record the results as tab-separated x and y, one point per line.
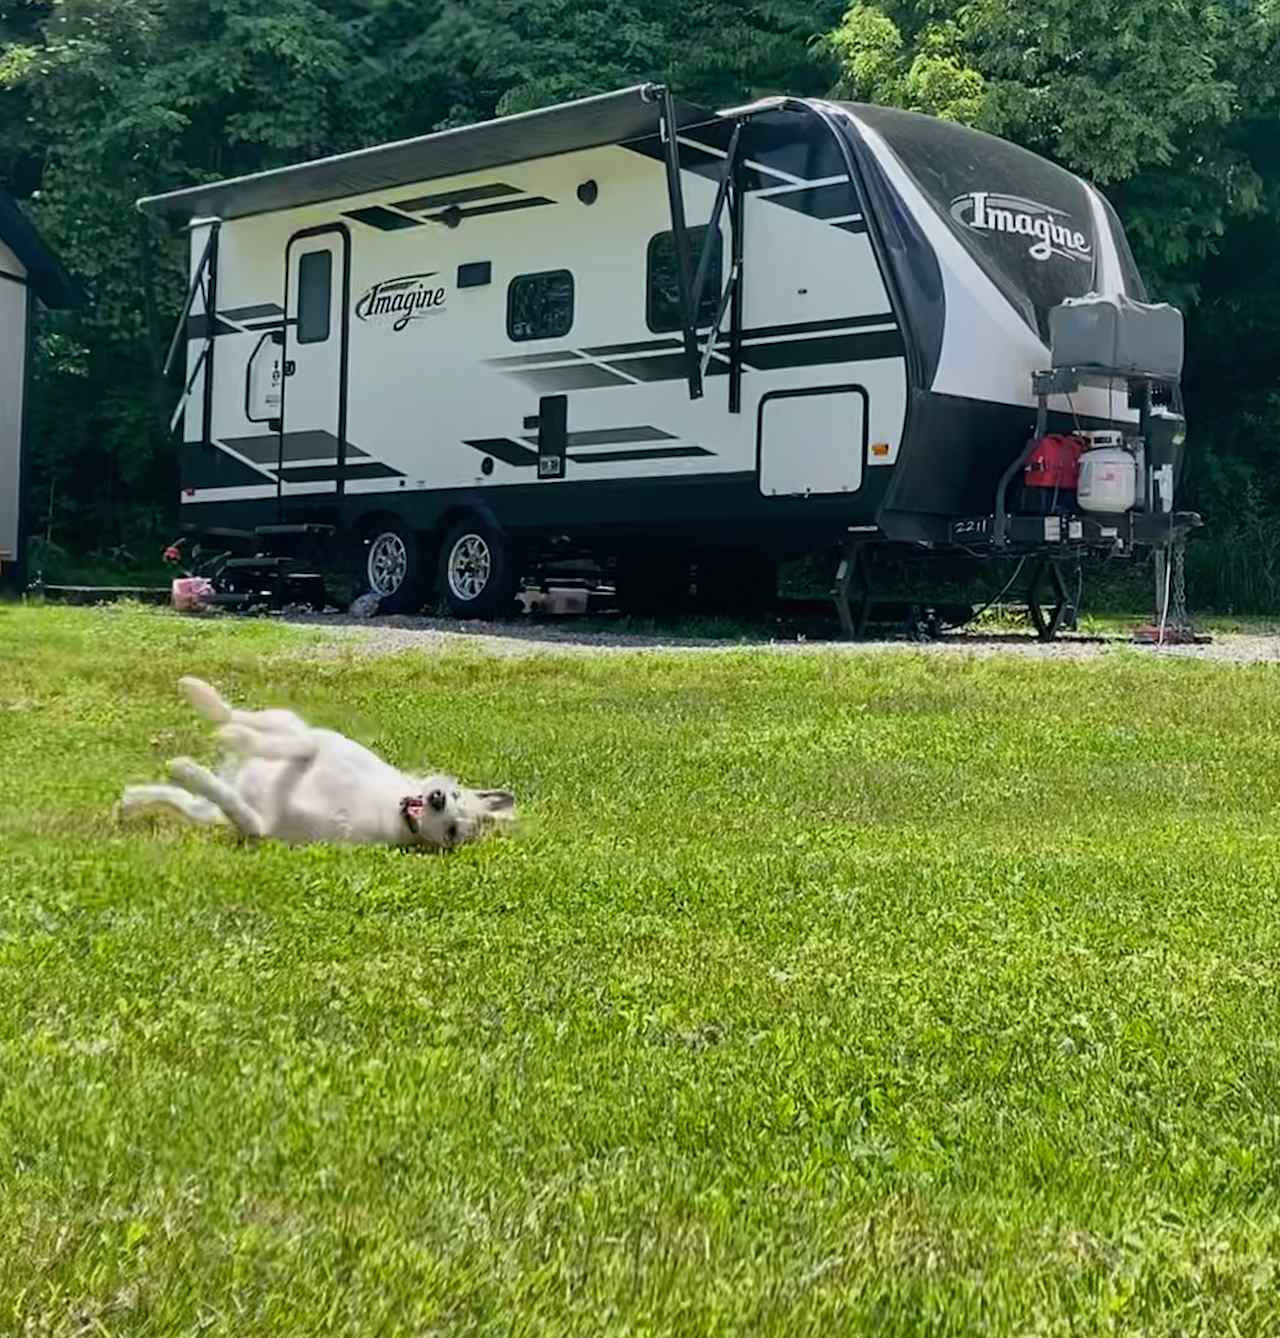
394	635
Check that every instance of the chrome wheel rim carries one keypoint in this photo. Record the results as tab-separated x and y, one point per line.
387	564
470	564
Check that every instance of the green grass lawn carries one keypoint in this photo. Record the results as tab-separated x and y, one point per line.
821	994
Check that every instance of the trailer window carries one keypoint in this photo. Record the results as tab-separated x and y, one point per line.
540	306
315	276
662	301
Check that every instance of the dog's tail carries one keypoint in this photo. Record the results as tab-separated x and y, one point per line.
247	742
205	699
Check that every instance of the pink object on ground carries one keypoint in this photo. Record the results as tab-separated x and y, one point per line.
189	593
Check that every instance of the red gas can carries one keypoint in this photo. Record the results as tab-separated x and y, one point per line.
1052	471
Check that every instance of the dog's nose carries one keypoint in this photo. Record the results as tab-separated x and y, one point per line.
437	800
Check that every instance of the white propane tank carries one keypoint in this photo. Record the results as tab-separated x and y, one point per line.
1108	481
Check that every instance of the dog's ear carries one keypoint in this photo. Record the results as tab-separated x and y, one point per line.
496	801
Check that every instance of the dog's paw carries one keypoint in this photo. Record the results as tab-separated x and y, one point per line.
205	699
132	802
185	770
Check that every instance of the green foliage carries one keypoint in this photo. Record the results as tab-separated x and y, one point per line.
826	993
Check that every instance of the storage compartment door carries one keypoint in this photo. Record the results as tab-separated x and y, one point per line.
812	442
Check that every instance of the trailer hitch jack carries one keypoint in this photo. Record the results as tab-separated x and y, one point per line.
852	592
1048	627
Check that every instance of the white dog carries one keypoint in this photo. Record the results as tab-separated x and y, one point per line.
290	782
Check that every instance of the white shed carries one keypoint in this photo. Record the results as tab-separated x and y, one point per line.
29	272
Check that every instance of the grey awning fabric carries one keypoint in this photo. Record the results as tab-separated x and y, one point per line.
48	279
612	118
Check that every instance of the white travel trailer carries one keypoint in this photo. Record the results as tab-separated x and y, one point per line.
636	329
29	273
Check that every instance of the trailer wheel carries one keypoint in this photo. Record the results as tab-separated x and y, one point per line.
478	573
391	567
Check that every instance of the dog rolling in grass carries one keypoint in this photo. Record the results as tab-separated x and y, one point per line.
286	781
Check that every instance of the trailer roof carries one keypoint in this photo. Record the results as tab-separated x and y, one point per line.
612	118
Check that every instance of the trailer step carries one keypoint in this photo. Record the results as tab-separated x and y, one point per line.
216	532
259	563
283	531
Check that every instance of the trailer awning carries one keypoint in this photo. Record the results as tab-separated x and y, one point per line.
612	118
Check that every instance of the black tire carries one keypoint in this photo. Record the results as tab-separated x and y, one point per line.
737	581
651	584
392	565
477	573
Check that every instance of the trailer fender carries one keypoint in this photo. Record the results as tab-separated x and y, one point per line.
478	509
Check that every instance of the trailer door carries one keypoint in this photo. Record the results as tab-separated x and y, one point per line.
312	446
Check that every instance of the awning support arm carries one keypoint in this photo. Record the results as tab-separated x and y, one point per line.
668	130
186	392
197	283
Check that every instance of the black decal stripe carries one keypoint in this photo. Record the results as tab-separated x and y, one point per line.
252	313
535	359
385	220
582	376
614	436
502	207
821	352
644	346
329	473
853	225
199	467
653	453
504	449
421	203
264	449
668	367
198	327
767	356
